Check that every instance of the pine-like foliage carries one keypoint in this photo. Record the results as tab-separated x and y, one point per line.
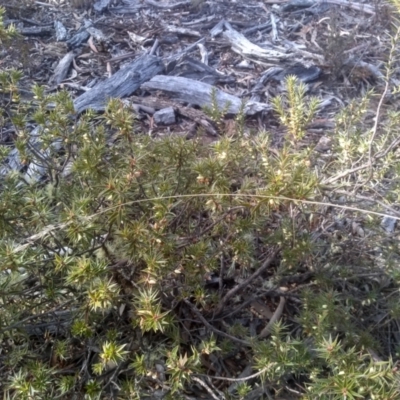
128	264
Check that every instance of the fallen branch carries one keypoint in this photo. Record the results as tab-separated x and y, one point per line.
245	283
277	314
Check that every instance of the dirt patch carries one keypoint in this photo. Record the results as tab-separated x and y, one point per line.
245	49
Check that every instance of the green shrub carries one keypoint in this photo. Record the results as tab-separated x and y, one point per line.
108	261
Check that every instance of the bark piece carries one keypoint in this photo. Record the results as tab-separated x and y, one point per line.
78	39
40	31
101	5
61	71
61	31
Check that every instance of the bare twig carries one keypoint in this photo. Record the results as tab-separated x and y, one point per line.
50	228
246	378
370	199
277	314
217	331
221	275
381	100
190	239
245	283
53	312
375	128
205	386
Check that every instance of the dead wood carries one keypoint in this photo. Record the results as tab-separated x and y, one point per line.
191	68
62	69
293	4
200	94
40	31
101	5
122	83
157	103
169	5
243	46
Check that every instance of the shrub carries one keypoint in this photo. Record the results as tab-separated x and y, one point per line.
128	269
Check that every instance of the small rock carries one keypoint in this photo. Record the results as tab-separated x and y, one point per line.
324	144
389	224
245	64
166	116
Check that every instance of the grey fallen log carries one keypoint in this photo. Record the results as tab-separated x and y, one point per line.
122	83
199	93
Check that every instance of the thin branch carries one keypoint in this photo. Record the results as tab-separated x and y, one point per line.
209	228
366	198
245	283
49	228
23	322
277	314
245	378
375	127
217	331
211	393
